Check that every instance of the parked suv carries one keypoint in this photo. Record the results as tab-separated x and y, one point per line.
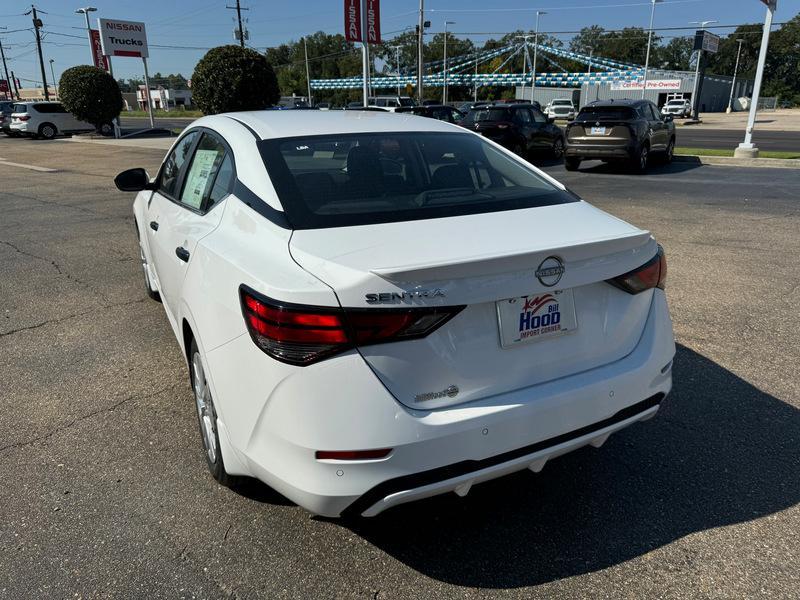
48	119
619	130
560	108
522	128
678	107
390	103
6	108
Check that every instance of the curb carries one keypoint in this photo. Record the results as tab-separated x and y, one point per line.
729	161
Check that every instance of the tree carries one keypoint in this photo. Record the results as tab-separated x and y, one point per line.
674	55
91	94
231	78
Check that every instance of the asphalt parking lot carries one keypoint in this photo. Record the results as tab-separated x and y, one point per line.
104	490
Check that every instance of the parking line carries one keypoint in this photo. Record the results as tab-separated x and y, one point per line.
30	167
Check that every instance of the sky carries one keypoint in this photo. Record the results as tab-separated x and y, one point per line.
185	30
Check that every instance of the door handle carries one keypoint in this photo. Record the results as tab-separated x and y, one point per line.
154	225
182	253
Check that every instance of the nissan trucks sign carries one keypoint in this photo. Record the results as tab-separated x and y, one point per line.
123	38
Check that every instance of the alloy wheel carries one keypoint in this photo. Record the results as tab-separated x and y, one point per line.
205	409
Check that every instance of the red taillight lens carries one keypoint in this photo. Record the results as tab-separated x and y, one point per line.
23	118
651	274
301	335
352	454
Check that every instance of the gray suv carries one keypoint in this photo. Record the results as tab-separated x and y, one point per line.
628	131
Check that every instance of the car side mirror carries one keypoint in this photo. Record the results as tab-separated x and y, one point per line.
551	119
667	118
133	180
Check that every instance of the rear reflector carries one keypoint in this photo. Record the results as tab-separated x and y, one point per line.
353	454
650	275
301	335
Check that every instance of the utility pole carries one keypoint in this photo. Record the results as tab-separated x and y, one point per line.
37	24
649	40
308	78
238	8
53	73
5	68
535	48
14	81
735	70
747	149
475	92
420	36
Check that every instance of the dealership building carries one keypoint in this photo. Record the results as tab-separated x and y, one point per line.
662	86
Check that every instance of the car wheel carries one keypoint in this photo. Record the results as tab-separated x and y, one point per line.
519	150
106	129
148	284
670	152
47	131
572	164
640	159
558	148
207	418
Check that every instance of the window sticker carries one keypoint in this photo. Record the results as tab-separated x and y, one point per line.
198	177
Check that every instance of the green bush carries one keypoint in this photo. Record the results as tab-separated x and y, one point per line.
231	78
90	94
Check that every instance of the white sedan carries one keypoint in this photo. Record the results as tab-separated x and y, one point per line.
377	308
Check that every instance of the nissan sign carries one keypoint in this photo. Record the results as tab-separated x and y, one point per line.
123	38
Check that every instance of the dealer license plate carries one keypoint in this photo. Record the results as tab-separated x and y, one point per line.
536	317
598	131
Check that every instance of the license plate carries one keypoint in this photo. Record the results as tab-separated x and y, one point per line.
598	131
536	317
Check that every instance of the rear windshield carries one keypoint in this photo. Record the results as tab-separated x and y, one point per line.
20	108
562	102
359	179
605	113
406	102
479	115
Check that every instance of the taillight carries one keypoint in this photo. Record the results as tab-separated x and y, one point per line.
301	335
23	118
352	454
650	275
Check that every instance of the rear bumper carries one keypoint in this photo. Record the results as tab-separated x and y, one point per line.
340	404
587	151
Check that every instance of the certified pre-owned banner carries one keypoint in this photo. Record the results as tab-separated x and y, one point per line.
373	21
653	84
352	20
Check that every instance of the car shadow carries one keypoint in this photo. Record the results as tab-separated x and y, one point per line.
719	452
679	165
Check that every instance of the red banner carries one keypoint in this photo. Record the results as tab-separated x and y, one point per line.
4	86
100	61
352	20
373	21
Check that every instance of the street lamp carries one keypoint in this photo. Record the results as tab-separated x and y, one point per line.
735	70
85	12
397	66
444	93
53	73
696	87
649	40
535	48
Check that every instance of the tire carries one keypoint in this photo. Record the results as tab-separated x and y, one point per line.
558	148
47	131
207	419
148	287
669	153
571	163
106	129
519	151
640	160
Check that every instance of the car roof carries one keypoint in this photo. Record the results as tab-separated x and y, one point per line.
620	102
270	124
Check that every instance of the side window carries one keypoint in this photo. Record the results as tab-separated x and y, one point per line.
538	117
172	167
522	117
392	103
656	112
59	108
223	183
206	164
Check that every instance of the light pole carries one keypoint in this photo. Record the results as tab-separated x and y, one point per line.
53	73
444	93
308	79
539	13
735	70
85	12
649	41
420	44
747	149
525	60
696	87
397	66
